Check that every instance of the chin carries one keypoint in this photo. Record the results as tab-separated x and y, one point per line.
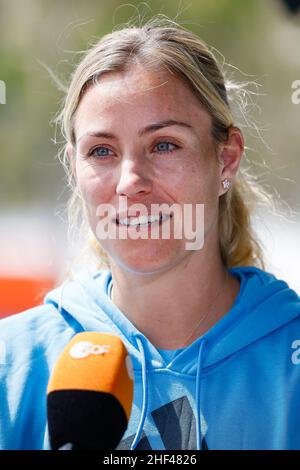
146	260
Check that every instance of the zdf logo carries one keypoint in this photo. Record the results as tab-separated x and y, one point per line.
86	348
296	354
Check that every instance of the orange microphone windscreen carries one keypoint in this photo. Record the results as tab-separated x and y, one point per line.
90	393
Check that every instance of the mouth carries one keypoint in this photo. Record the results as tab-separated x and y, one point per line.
142	221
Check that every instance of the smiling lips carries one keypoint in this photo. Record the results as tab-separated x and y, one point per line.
142	220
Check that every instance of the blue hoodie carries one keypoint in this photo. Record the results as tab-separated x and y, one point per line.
235	387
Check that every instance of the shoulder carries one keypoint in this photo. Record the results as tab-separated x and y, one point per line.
42	332
27	336
260	286
30	343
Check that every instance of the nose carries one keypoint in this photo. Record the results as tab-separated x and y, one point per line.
133	179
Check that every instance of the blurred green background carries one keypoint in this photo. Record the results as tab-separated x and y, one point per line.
259	37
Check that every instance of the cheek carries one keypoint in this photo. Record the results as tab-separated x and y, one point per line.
95	187
190	182
204	180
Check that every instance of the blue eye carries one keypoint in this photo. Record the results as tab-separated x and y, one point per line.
103	152
164	147
99	152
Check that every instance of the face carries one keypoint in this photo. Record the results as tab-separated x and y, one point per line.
143	135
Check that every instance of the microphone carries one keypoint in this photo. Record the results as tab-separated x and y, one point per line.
90	393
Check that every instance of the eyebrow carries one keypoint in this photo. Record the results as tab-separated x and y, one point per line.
148	129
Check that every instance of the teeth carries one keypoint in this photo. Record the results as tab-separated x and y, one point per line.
142	220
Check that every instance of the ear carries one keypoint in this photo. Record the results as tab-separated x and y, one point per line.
230	154
72	159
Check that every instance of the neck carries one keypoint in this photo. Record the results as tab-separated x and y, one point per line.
175	307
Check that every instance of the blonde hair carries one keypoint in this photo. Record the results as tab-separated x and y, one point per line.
165	44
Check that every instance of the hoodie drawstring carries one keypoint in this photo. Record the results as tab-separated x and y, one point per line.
144	398
198	396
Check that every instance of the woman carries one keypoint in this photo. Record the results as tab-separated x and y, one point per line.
210	333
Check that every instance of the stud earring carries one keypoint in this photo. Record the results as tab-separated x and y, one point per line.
226	183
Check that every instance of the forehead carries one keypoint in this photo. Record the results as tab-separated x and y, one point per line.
139	95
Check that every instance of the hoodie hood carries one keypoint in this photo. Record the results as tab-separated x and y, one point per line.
262	305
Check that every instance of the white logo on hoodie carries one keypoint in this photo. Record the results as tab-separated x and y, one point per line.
296	354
